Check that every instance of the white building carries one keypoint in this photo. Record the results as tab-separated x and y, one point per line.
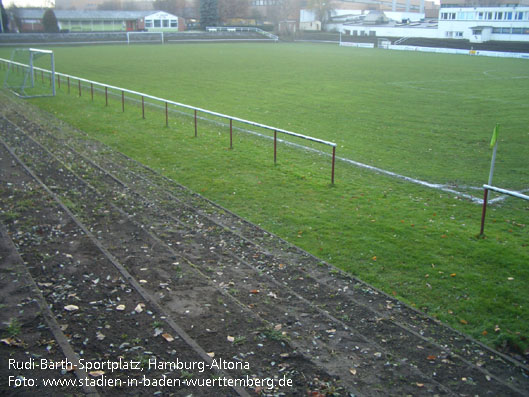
477	24
481	24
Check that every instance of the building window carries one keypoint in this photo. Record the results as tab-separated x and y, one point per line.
496	30
519	16
459	34
499	16
174	23
148	23
480	15
516	30
157	23
508	16
165	23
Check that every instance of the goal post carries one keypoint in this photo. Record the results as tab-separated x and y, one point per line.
20	77
145	37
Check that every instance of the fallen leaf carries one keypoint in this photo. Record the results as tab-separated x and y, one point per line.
497	328
71	308
139	307
431	357
420	384
254	291
453	275
100	336
211	354
484	333
11	342
230	339
95	374
277	327
331	331
463	321
168	337
352	371
120	307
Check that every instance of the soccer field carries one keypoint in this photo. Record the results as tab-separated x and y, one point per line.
425	116
421	115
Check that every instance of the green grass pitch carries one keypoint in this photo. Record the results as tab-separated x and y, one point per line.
426	116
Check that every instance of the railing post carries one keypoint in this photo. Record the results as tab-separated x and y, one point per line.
142	107
123	101
106	96
275	146
333	161
68	78
231	134
166	116
195	123
92	91
79	83
59	80
483	212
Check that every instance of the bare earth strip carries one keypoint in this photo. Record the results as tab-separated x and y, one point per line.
137	269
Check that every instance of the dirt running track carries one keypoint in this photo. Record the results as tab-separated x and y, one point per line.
117	281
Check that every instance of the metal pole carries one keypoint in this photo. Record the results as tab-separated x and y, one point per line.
106	96
68	84
493	161
275	146
333	161
195	123
31	71
59	80
484	211
142	107
231	134
122	101
92	91
79	81
166	116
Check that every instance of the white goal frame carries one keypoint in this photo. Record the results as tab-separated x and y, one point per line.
129	41
30	72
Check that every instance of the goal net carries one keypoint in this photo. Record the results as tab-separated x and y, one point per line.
145	37
31	73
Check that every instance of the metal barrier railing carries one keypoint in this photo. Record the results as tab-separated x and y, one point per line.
70	80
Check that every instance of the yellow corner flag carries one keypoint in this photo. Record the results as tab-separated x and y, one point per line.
494	136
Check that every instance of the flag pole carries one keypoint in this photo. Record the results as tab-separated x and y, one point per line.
494	146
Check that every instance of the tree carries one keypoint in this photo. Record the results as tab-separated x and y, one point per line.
322	9
3	19
209	13
233	9
49	22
